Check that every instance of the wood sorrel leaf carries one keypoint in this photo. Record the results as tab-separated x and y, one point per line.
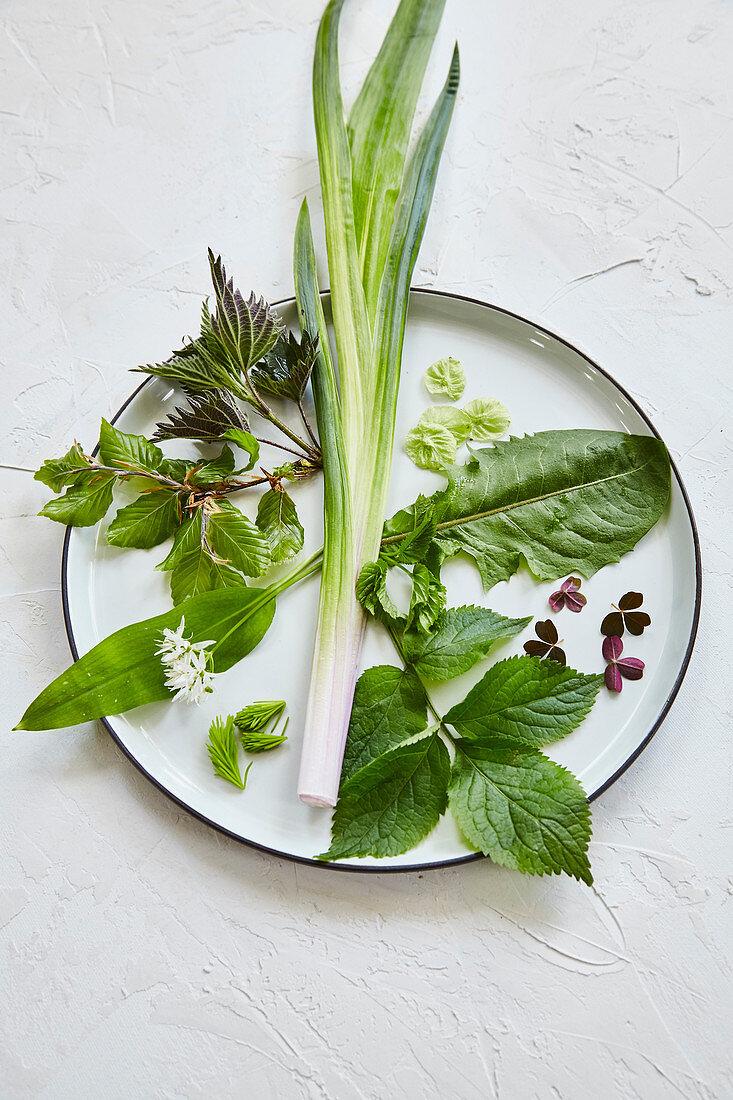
278	521
389	707
626	617
446	376
82	505
149	520
546	643
123	671
519	808
535	702
461	637
391	804
564	501
117	448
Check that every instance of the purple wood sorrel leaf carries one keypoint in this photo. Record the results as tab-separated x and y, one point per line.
619	668
626	617
546	646
568	595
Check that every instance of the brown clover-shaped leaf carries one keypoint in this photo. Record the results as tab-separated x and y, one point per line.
545	644
626	616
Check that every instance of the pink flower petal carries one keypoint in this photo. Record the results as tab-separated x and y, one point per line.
631	668
613	677
613	647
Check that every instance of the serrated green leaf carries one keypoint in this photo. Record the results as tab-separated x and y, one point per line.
237	540
286	369
149	520
460	638
58	472
446	376
246	328
427	600
389	707
387	807
564	501
533	701
520	808
192	569
84	505
207	417
123	671
278	521
120	449
372	594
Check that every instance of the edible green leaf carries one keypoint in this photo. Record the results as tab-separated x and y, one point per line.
214	469
223	749
117	448
247	442
389	707
564	501
83	505
236	540
392	803
427	600
287	368
149	520
485	419
193	570
446	376
278	521
58	472
246	328
447	416
520	808
431	446
208	417
123	671
533	701
460	638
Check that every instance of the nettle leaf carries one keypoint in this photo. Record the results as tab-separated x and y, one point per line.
208	417
533	701
236	540
248	329
446	376
149	520
214	469
388	806
286	369
124	671
84	505
58	472
192	568
125	451
521	809
278	521
564	501
389	707
461	637
200	366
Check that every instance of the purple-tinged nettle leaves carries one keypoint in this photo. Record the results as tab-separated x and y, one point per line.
618	667
626	616
208	417
547	645
568	596
247	328
286	369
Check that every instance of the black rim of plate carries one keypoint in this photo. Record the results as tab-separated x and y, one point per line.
473	856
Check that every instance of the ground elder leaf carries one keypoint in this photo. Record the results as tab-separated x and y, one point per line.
389	707
461	637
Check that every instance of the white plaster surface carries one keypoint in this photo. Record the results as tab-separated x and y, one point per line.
587	184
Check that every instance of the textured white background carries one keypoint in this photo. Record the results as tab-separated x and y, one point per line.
587	184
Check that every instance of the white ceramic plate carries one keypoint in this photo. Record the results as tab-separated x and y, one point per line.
546	384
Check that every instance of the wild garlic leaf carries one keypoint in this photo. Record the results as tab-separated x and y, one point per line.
564	501
120	449
461	637
124	671
446	376
83	505
246	328
149	520
532	701
223	750
214	469
207	417
447	416
486	419
58	472
431	446
521	809
237	541
278	521
287	367
387	807
389	707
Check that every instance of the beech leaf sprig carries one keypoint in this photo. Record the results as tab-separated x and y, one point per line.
619	668
568	595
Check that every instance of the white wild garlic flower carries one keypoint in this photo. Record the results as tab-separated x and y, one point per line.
185	663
